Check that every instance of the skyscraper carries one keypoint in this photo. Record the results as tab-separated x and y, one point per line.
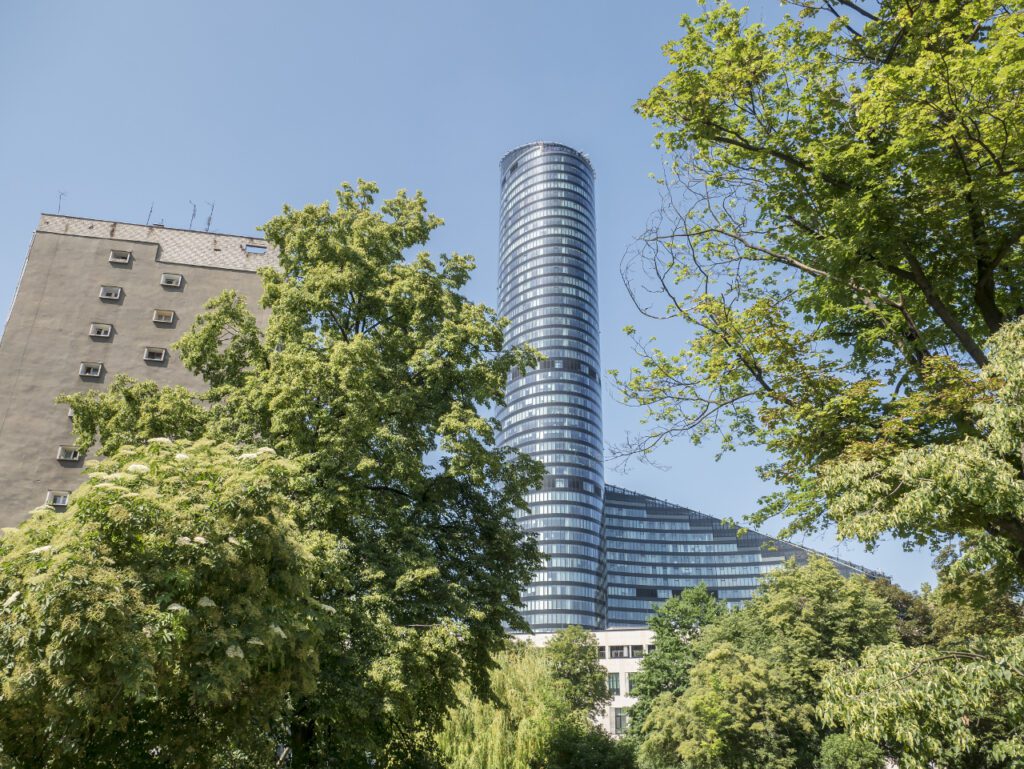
548	291
612	555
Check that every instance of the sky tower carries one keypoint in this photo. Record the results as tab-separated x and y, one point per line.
547	288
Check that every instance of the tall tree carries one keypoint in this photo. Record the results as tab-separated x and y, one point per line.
573	658
677	625
373	376
753	679
842	230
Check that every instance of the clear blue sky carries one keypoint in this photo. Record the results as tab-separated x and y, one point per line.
254	104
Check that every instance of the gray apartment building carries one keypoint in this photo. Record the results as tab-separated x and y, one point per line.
99	298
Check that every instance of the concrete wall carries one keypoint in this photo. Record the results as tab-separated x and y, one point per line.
47	333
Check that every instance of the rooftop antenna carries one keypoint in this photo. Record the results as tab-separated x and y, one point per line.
209	219
60	199
193	215
150	214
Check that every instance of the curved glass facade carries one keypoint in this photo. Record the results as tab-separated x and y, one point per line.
655	549
548	290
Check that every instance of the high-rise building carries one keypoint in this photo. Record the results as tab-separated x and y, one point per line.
548	291
99	298
612	555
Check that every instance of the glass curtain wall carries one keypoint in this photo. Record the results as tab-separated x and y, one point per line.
548	291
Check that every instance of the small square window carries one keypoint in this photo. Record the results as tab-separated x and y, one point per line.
101	330
154	354
636	651
616	652
254	248
120	257
110	292
90	370
163	316
57	498
67	454
171	280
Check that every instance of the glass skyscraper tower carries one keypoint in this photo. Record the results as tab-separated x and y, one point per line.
611	555
548	290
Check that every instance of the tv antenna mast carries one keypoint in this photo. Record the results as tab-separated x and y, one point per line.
209	219
190	221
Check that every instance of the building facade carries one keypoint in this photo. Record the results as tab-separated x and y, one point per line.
96	299
654	550
548	291
612	555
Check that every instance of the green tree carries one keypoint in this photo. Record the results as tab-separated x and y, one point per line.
130	411
842	231
572	657
952	701
166	618
373	376
749	698
677	625
841	751
532	720
914	614
971	604
954	707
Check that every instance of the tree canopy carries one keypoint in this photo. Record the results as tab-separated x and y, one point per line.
372	378
540	714
166	617
842	231
573	659
677	626
745	693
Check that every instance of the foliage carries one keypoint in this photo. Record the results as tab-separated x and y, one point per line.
953	698
842	232
750	692
914	613
532	720
373	376
130	412
967	604
841	751
573	660
677	625
167	615
953	707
